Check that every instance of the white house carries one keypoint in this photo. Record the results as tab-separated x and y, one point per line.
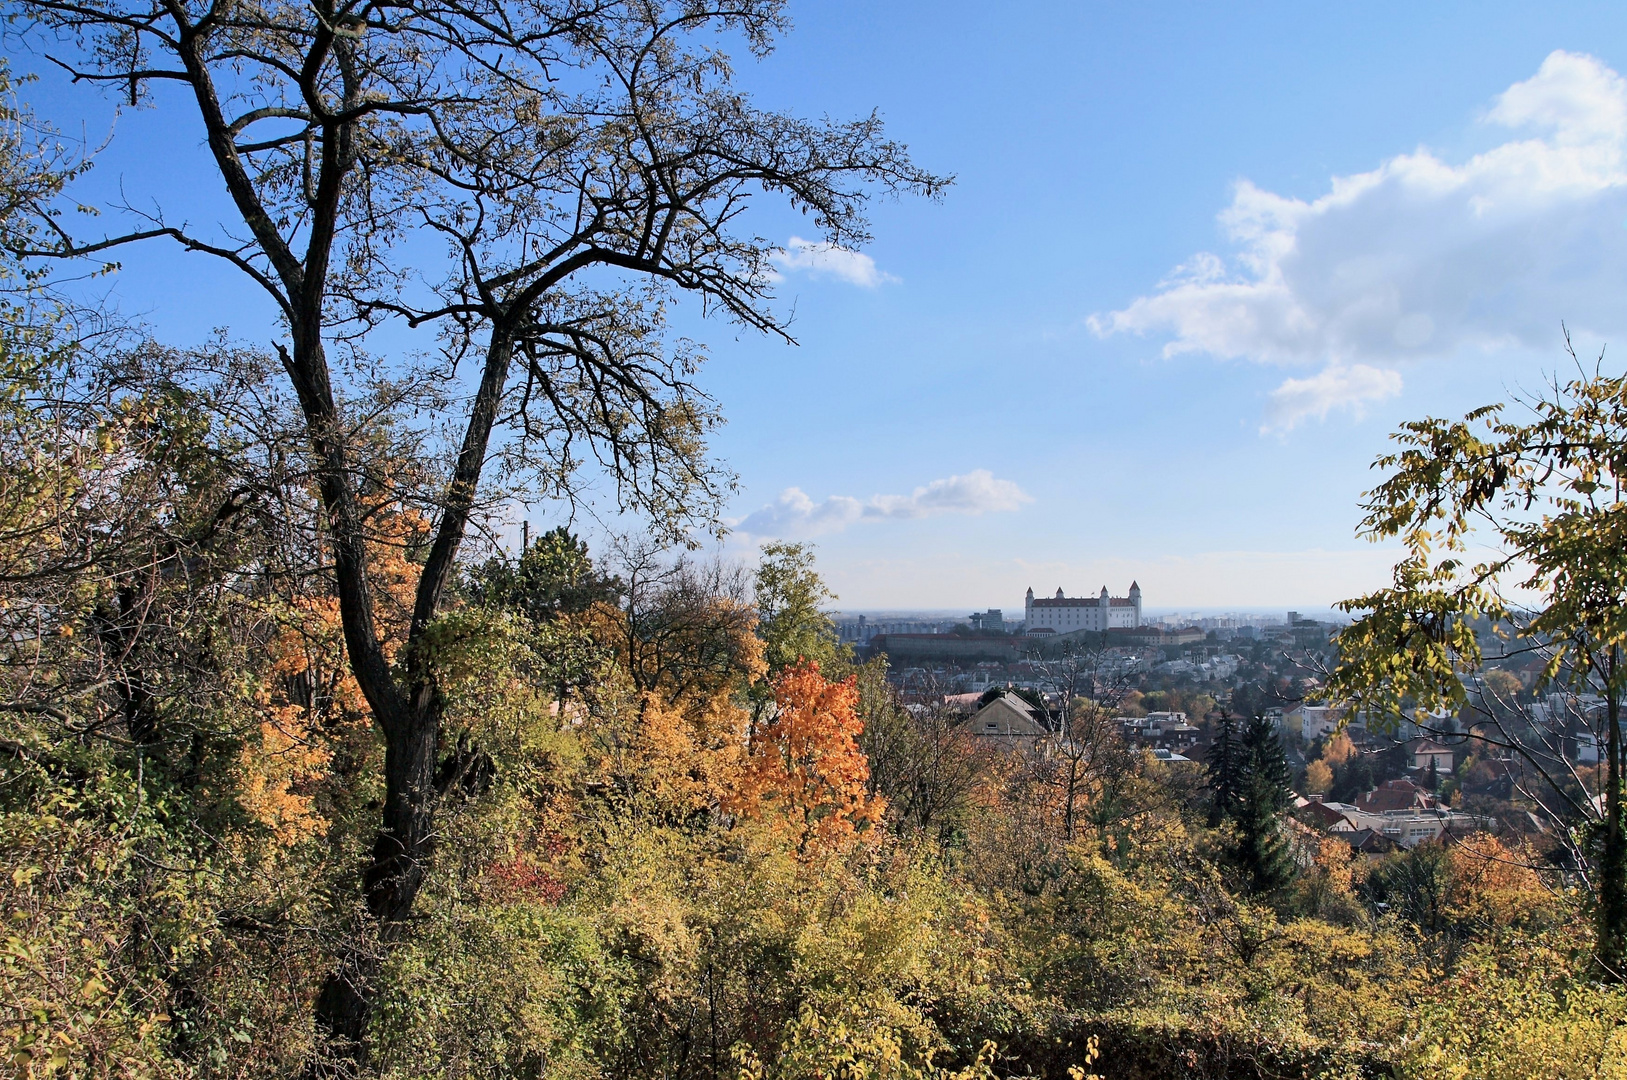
1317	720
1587	748
1426	753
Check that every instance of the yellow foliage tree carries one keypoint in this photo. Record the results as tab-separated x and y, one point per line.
1318	778
1339	750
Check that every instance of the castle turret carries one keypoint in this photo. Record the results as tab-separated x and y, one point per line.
1135	600
1028	608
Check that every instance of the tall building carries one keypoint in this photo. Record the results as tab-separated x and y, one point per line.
1064	614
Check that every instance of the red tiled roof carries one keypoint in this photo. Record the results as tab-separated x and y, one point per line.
1323	814
1399	794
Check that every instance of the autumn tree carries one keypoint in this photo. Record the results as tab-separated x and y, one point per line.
578	166
806	770
1318	777
1339	749
1540	494
790	598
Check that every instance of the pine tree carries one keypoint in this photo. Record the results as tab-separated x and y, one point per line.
1223	771
554	576
1263	780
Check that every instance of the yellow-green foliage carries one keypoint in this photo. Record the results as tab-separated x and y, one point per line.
70	1005
604	901
1506	1017
516	989
868	1039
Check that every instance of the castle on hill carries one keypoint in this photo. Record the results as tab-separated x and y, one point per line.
1064	614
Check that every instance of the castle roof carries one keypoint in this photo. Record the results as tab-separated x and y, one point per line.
1083	601
1060	600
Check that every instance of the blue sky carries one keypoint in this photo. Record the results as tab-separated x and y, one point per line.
1199	260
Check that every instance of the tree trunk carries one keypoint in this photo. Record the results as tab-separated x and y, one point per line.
409	716
1610	945
400	859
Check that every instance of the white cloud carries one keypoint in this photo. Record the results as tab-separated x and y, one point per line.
823	258
795	514
1419	258
978	492
1334	387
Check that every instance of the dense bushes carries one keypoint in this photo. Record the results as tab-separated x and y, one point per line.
661	848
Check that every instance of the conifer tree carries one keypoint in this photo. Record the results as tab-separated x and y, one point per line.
1223	771
553	576
1262	794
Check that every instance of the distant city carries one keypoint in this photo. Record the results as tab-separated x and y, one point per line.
858	627
952	652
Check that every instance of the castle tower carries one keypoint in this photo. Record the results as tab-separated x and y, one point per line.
1135	599
1028	609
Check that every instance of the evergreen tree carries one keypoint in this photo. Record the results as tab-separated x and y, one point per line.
1223	771
1263	791
554	576
553	579
1352	777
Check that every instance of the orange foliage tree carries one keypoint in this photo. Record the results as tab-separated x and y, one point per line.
805	768
1492	887
304	696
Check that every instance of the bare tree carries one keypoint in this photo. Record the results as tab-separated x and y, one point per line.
581	162
1086	762
1085	768
688	624
1543	741
1080	673
923	759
